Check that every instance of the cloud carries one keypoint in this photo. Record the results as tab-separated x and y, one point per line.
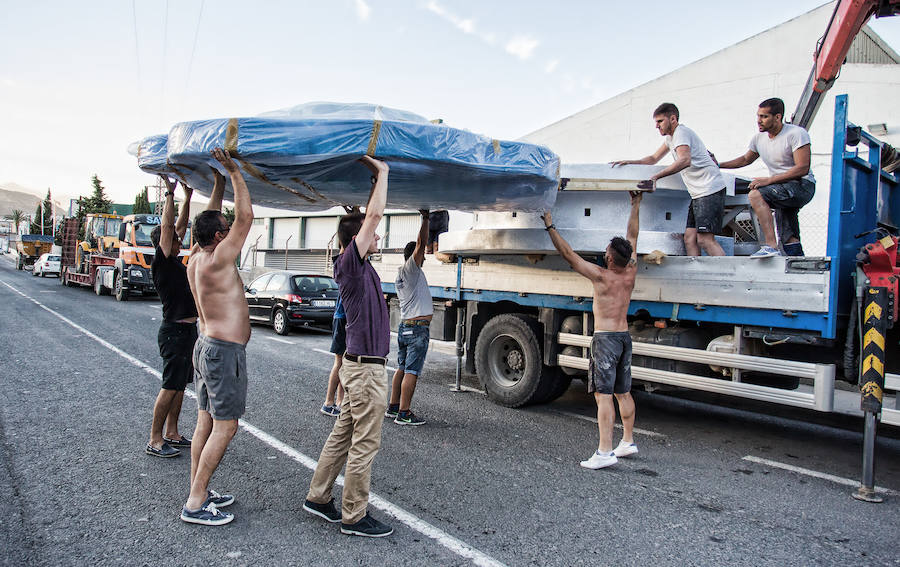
465	25
522	46
551	65
362	10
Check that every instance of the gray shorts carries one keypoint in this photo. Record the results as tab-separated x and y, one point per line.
705	213
220	377
610	370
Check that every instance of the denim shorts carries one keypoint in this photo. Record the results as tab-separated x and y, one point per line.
338	335
412	343
705	213
786	199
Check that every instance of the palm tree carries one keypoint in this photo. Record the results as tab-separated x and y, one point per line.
17	217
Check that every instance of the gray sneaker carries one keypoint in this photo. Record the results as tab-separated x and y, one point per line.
765	252
367	527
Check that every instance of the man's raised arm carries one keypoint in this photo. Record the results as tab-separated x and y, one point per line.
634	223
229	248
375	206
579	264
421	239
215	198
184	216
167	223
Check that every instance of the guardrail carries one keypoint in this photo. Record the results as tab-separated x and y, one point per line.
822	375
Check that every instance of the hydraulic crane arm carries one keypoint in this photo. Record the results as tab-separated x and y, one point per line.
848	18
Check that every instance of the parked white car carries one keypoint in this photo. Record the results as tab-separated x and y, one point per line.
46	264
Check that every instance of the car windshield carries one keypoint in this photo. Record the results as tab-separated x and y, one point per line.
315	284
53	258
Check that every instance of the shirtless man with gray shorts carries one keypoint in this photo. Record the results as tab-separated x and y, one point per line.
220	365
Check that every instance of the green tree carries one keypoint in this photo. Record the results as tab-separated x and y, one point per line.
43	217
142	203
228	213
96	203
17	217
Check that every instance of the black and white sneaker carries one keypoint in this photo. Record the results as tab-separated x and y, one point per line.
367	527
209	515
220	500
392	411
325	511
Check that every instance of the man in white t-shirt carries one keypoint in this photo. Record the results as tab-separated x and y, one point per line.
413	333
786	151
700	174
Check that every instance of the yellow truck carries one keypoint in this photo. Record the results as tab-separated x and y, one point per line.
30	247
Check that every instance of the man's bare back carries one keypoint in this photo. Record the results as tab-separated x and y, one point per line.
219	295
612	293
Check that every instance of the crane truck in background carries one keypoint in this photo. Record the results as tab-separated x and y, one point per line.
114	256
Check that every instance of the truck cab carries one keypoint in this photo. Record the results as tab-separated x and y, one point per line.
132	269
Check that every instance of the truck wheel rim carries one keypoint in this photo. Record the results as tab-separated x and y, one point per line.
506	360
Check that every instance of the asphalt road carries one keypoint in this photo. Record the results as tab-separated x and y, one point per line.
479	484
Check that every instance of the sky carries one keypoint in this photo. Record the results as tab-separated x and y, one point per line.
81	81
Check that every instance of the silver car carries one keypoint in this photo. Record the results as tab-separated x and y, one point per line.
46	264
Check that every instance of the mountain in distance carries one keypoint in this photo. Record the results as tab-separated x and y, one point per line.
14	196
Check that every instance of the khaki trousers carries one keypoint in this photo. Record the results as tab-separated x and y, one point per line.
355	439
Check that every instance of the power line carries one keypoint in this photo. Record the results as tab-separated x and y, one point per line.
187	82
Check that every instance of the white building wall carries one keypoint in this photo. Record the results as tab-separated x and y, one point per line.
319	231
717	97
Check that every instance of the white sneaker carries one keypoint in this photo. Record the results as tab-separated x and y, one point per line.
600	460
765	252
625	449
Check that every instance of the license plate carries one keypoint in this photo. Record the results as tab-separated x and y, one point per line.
323	303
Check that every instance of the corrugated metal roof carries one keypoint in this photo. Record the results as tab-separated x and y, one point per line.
868	48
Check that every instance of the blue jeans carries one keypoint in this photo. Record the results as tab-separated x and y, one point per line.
412	343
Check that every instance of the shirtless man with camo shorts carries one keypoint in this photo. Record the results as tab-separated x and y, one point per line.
610	371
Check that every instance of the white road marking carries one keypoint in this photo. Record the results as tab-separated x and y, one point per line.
281	340
448	541
816	474
637	430
48	291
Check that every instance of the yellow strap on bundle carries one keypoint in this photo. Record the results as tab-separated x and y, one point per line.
373	140
231	136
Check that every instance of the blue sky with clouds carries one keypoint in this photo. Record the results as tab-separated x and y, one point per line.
80	81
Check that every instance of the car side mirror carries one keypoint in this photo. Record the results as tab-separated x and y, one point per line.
251	291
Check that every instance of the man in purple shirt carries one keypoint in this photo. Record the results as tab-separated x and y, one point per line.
356	435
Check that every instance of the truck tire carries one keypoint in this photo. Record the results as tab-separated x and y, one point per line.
508	360
99	288
121	292
554	383
280	321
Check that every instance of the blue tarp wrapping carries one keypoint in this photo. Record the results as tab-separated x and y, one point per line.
306	158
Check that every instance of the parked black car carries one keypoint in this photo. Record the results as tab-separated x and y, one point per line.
286	299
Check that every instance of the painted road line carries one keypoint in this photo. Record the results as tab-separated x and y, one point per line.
816	474
448	541
465	388
637	430
281	340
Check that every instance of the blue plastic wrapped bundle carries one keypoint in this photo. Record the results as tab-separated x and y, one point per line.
306	158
